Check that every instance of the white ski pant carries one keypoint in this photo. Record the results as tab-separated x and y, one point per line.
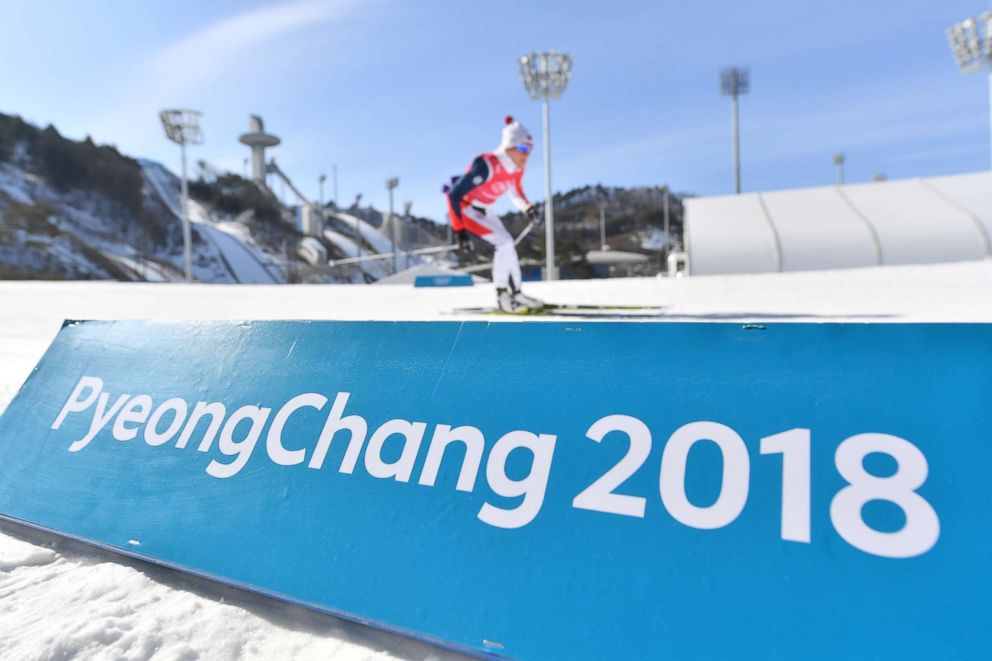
487	226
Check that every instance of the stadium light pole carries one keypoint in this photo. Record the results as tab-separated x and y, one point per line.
545	76
971	43
358	235
391	184
405	237
602	226
839	162
182	126
733	83
666	212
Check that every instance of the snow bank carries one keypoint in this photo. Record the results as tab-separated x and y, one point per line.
62	600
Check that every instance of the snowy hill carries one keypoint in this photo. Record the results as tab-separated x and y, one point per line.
74	210
63	224
78	211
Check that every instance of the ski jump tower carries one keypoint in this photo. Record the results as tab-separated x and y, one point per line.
258	140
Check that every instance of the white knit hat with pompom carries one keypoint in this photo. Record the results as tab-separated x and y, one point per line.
515	134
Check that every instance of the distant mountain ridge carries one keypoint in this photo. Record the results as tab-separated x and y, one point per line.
76	210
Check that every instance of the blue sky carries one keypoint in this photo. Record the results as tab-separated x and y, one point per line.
415	89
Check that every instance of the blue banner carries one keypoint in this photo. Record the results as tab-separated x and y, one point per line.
453	280
539	491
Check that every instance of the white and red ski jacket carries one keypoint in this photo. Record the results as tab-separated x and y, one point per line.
487	178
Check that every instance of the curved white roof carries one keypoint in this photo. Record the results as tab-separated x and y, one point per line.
913	221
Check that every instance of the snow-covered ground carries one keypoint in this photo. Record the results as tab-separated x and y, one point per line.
61	599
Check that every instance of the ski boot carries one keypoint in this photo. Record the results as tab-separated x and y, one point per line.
529	302
508	303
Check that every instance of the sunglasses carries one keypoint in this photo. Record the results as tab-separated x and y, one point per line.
524	149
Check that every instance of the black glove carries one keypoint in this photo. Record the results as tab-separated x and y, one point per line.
465	241
534	215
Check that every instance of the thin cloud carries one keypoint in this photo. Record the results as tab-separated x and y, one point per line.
896	112
893	112
207	55
186	69
941	153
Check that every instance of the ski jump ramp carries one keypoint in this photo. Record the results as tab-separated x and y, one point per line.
244	263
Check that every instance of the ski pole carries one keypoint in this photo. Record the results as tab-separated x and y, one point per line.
524	232
388	255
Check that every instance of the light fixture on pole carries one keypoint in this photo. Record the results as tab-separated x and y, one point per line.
391	184
545	77
733	83
321	181
182	126
839	162
971	43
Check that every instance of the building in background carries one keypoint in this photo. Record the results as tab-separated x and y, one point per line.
911	221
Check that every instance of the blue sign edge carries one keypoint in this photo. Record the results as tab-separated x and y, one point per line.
269	594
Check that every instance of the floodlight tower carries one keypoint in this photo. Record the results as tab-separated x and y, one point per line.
182	126
259	141
734	82
971	43
391	184
839	162
334	171
545	77
666	210
602	226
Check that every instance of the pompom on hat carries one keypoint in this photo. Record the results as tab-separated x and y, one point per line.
515	134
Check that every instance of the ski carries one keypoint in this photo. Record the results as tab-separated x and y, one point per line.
389	255
583	306
572	310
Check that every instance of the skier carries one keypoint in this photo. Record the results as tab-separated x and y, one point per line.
470	198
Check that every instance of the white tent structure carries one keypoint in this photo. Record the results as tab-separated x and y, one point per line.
912	221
